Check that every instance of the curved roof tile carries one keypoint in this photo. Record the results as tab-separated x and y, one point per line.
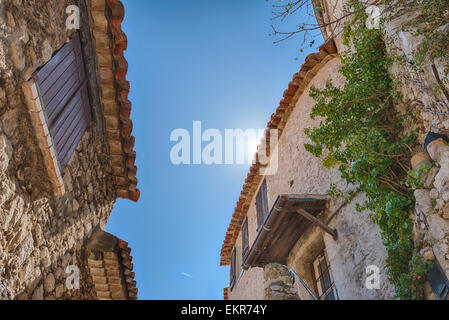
110	43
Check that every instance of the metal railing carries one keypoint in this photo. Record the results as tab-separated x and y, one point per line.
294	275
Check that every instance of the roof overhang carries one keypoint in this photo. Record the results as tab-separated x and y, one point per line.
111	268
109	44
283	227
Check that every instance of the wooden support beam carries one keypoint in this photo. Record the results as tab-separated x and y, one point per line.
319	223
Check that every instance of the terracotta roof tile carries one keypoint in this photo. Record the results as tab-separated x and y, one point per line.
300	81
110	267
226	293
110	42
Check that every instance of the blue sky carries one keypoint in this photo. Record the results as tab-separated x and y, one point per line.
206	60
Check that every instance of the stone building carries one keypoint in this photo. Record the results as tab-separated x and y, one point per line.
288	239
66	150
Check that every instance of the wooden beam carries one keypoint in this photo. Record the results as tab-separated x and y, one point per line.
319	223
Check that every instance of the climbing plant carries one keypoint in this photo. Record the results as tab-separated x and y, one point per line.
432	16
361	133
428	19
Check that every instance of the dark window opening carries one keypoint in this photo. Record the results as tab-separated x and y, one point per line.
438	281
324	280
233	268
262	205
245	240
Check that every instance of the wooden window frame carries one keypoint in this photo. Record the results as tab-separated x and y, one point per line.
317	274
262	205
71	114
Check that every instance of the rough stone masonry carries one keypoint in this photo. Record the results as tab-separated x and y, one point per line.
41	234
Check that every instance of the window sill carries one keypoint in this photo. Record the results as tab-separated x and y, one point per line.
43	136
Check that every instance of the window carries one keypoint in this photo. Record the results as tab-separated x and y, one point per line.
61	85
233	271
324	280
438	281
245	240
262	205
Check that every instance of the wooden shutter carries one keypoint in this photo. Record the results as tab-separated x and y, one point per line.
262	204
233	268
61	84
245	240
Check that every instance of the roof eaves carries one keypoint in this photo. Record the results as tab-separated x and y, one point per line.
109	43
313	63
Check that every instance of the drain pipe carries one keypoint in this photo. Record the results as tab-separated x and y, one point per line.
264	231
294	275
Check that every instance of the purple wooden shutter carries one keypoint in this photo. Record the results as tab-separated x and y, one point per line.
62	88
245	240
259	209
233	267
262	205
265	200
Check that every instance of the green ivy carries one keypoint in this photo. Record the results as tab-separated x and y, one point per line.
415	177
361	133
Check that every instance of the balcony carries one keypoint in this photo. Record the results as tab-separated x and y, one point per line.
289	218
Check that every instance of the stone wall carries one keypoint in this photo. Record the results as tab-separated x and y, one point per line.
278	283
43	234
421	86
432	109
431	228
272	282
418	84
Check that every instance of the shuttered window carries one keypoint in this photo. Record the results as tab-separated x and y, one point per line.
262	205
62	89
245	240
233	271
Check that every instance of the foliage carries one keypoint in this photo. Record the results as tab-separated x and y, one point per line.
304	12
411	284
433	15
415	177
361	133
